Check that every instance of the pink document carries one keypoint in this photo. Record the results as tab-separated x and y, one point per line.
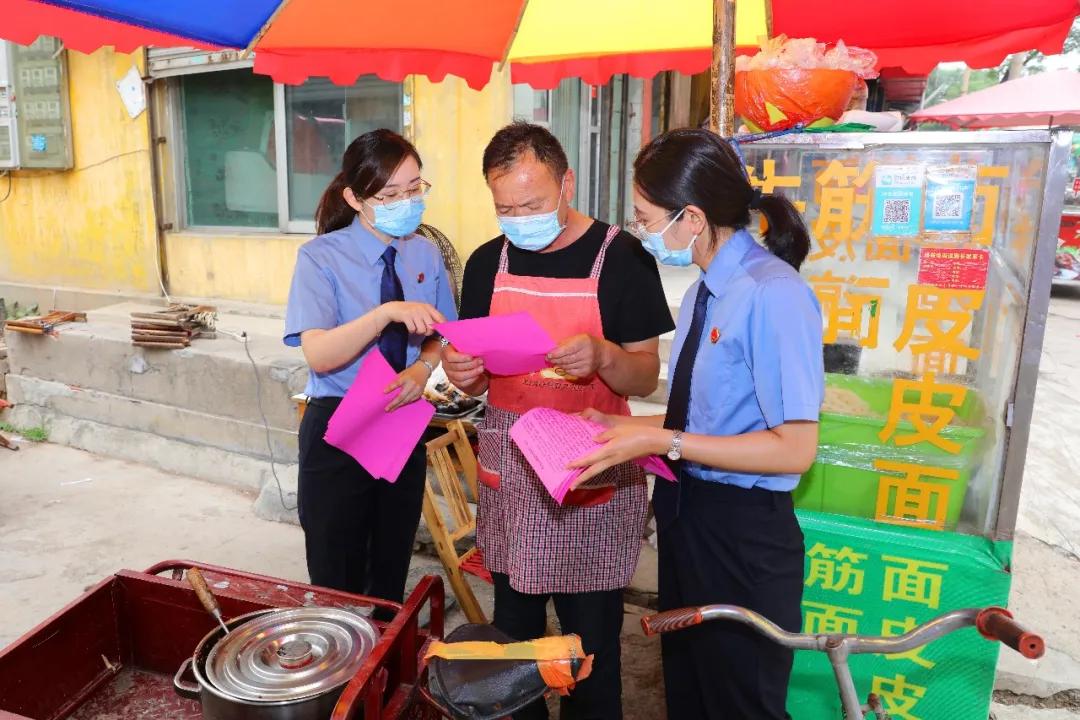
550	440
380	441
513	344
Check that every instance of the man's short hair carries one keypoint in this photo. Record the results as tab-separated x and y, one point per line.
519	138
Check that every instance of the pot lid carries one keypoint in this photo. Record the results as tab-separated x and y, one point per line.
291	654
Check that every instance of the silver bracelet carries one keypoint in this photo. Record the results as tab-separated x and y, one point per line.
429	366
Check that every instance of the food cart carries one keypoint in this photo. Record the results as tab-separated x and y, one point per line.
932	258
123	648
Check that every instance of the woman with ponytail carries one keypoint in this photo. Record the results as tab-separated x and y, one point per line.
366	282
745	391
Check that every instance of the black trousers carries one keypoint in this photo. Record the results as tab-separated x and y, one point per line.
597	617
358	530
733	546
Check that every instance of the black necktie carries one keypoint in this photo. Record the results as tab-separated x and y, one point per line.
668	497
679	398
395	336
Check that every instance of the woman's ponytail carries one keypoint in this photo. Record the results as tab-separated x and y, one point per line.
698	167
333	212
785	232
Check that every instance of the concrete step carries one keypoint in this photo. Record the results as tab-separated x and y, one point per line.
205	462
213	376
203	411
168	421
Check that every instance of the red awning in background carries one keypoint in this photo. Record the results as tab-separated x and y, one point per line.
1051	98
916	35
543	40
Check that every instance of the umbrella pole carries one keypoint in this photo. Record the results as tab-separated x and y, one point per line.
722	98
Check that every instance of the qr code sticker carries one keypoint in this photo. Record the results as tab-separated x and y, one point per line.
897	212
948	206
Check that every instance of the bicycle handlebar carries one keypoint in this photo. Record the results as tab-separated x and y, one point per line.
671	620
993	622
997	623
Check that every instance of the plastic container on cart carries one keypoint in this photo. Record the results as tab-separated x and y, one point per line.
844	480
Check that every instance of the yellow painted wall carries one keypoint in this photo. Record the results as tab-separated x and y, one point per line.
254	267
451	126
91	227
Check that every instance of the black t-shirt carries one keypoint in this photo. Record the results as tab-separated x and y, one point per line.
632	302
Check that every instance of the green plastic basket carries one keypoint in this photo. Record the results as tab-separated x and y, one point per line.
843	480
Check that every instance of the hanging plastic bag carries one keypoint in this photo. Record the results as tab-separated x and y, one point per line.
799	81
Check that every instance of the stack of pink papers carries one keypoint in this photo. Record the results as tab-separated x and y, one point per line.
380	441
550	440
512	344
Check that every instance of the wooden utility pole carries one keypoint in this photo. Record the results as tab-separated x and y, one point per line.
722	99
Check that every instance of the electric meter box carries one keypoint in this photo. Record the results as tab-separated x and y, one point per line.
35	113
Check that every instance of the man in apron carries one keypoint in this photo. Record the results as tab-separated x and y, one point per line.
596	291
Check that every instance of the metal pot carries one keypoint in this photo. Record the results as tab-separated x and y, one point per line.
277	664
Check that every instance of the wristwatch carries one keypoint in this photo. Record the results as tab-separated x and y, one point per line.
674	452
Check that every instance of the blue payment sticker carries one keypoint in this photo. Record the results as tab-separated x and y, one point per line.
950	197
39	143
897	200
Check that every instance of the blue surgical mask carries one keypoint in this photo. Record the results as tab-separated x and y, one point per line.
653	242
399	218
532	232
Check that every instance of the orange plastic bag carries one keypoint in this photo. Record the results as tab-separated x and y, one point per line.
780	98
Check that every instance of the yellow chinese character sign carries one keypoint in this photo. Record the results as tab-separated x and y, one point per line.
836	570
899	696
919	403
936	323
911	496
824	618
843	189
991	195
850	307
889	249
893	628
913	581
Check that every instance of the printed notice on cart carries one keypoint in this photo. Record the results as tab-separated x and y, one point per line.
952	268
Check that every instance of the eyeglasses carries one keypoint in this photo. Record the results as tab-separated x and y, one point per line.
639	228
420	189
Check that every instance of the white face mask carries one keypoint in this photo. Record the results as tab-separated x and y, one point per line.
533	232
654	243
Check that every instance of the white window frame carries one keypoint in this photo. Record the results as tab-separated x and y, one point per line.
169	65
519	112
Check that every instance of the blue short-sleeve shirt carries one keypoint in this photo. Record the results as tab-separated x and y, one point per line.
337	279
760	361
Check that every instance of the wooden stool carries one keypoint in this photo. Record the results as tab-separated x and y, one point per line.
458	523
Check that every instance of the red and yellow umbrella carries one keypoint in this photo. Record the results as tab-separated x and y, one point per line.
542	40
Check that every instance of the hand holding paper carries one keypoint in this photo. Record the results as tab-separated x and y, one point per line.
512	344
380	441
550	440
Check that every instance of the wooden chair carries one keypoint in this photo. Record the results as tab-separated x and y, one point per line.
457	483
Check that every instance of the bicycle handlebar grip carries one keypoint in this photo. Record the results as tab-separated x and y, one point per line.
998	624
671	620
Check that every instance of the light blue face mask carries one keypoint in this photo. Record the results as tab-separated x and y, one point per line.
399	218
533	232
653	242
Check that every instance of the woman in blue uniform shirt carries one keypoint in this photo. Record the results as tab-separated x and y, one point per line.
741	424
366	281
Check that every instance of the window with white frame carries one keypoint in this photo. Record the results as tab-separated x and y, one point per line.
254	155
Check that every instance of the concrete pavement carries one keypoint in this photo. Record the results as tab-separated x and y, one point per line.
68	518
